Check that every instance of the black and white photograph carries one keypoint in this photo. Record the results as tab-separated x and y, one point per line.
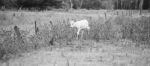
74	32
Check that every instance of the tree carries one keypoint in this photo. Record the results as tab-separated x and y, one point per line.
1	3
136	4
141	6
76	4
81	3
71	4
117	4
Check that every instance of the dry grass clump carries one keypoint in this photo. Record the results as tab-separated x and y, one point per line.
135	29
9	44
121	27
5	20
140	30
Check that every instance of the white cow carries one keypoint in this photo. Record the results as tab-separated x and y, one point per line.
82	24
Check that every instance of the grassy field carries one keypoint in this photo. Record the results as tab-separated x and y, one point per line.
116	38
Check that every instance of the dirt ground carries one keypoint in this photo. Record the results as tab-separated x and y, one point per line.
99	54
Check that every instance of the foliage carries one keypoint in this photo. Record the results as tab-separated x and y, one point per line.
76	4
41	4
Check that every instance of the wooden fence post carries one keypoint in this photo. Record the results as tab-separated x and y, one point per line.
51	42
36	28
19	37
105	15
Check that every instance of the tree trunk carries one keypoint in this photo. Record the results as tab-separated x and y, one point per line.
149	5
71	4
136	4
81	4
117	4
121	3
141	6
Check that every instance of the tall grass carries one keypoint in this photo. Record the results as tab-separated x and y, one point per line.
112	28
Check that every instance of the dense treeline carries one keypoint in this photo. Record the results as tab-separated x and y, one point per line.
76	4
